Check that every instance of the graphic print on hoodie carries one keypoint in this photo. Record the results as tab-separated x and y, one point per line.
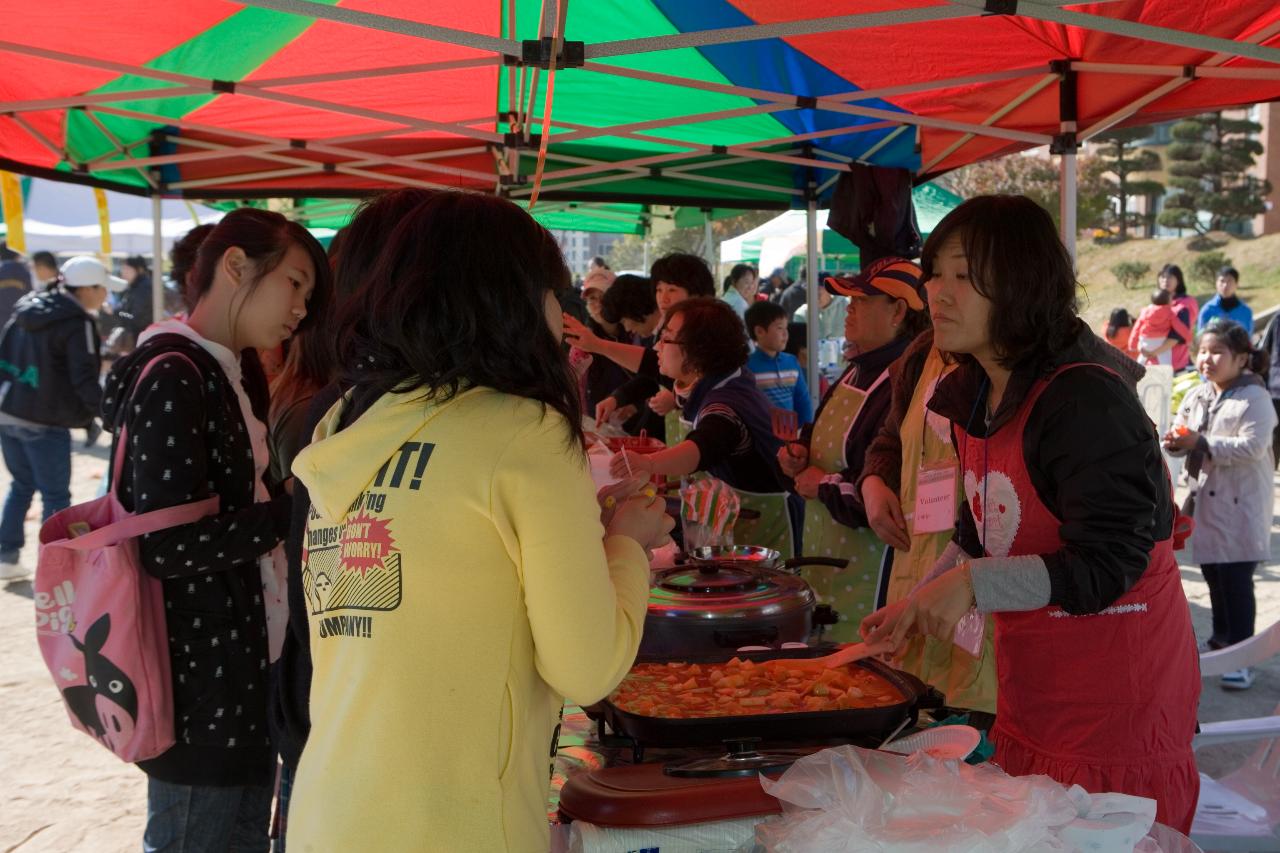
355	565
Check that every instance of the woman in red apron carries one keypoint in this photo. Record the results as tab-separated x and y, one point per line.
1068	510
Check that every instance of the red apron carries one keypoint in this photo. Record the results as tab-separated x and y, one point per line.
1107	701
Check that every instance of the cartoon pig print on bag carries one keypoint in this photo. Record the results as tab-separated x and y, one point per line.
996	510
108	705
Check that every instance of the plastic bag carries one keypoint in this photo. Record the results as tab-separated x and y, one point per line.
851	799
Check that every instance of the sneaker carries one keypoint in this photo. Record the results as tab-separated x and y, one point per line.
1209	645
12	571
1241	679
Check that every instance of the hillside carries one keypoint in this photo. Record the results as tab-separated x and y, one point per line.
1258	261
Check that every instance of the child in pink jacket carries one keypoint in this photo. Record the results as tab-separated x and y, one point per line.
1153	335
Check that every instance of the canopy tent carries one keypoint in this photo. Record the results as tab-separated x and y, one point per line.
63	218
772	244
707	104
717	103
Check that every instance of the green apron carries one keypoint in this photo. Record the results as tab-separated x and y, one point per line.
772	529
677	428
851	590
966	681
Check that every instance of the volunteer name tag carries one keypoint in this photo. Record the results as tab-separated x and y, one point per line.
935	499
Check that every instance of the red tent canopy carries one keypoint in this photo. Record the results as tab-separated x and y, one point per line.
724	103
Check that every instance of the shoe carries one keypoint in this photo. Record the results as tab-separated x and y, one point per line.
1209	645
1241	679
12	571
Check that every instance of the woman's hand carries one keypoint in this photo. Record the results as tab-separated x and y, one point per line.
807	482
884	513
577	333
644	519
662	402
934	609
605	409
882	622
612	496
627	464
793	457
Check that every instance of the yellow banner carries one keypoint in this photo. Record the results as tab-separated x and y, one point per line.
11	198
104	222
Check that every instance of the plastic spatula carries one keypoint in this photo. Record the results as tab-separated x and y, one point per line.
786	425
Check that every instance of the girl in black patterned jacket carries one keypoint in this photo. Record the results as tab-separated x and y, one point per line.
192	433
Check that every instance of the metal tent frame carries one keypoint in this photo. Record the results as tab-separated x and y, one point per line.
583	177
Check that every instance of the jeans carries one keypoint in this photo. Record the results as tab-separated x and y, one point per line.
206	819
38	459
1231	597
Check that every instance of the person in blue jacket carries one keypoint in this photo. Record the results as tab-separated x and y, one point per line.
1226	303
778	373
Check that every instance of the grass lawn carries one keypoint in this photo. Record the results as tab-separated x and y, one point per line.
1257	259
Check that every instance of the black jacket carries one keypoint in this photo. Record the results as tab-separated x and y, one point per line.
289	711
135	305
50	362
187	441
15	282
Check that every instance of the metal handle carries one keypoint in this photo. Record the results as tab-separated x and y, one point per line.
795	563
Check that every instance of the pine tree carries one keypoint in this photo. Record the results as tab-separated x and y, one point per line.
1209	160
1120	158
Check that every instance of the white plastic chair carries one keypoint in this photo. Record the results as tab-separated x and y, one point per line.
1241	811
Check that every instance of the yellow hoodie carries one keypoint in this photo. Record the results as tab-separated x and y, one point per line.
458	590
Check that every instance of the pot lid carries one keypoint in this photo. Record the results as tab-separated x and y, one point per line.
710	578
720	591
742	759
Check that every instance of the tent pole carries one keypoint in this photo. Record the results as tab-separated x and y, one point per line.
1067	206
811	297
157	263
707	238
1065	145
647	228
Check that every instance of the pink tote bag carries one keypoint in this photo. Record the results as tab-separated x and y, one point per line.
100	617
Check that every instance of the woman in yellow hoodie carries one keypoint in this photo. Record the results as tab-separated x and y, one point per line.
460	578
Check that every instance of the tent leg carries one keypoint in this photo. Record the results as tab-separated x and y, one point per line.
1067	196
157	263
708	240
646	249
811	297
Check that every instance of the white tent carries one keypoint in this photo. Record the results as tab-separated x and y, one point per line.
770	245
63	218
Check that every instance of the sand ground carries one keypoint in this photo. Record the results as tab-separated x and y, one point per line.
63	794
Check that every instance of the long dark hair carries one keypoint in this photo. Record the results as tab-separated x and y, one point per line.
1174	271
264	236
182	259
1017	261
1118	320
456	300
312	362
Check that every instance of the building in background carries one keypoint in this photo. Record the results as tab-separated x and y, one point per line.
579	247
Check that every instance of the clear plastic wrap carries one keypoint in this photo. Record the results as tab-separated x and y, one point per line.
851	799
